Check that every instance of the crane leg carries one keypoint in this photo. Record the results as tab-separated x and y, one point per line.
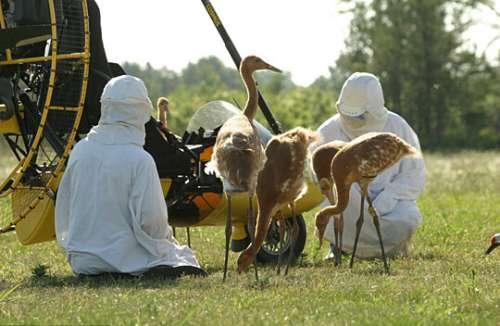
282	223
293	238
341	230
251	219
228	235
359	224
251	230
376	222
188	237
336	232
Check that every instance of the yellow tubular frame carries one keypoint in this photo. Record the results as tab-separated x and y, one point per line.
41	59
52	184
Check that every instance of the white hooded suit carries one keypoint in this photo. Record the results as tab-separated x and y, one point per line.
394	191
110	212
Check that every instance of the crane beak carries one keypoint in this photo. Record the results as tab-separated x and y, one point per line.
273	68
490	249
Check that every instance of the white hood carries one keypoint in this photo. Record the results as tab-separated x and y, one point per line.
361	105
125	108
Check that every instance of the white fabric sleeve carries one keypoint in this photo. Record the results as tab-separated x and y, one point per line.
328	131
148	203
408	183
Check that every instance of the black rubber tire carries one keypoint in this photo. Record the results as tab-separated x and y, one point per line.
268	256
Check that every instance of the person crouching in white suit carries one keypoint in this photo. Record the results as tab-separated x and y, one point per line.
395	191
111	216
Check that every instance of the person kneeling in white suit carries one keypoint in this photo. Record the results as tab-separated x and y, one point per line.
111	216
394	192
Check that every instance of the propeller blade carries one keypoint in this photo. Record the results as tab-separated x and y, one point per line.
23	35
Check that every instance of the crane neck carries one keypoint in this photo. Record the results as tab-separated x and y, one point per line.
342	194
252	95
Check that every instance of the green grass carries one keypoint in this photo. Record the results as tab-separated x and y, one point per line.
447	280
7	161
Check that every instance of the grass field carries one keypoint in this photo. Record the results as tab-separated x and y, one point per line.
7	161
447	280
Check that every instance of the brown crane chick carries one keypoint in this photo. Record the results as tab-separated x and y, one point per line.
238	155
361	160
321	163
280	182
162	107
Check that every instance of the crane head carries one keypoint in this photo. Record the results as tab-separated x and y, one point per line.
495	242
321	223
253	63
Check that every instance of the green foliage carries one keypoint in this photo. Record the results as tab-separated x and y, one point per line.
210	75
446	280
307	107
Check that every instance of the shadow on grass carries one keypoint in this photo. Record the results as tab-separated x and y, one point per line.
373	269
146	281
111	280
155	281
432	256
102	281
